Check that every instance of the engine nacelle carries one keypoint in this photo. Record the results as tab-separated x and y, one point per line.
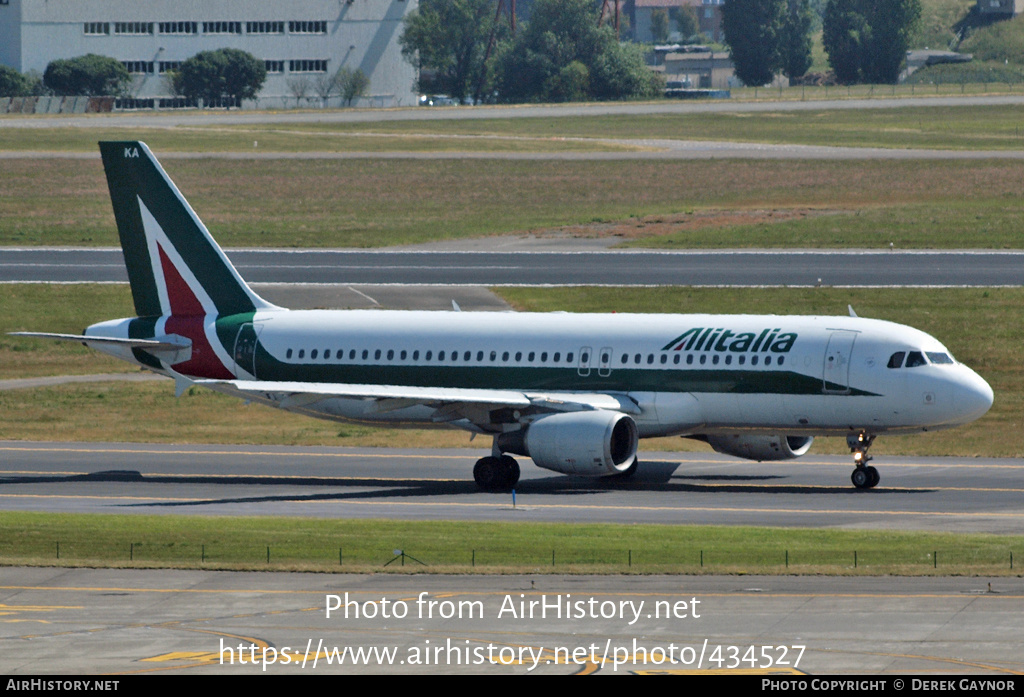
588	443
762	448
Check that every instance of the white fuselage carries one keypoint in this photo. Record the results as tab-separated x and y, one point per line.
677	374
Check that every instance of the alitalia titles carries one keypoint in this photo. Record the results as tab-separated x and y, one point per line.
721	339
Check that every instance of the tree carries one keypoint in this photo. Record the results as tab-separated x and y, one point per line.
447	40
562	54
753	29
795	39
841	38
892	23
868	39
13	83
352	83
686	21
659	25
225	74
90	75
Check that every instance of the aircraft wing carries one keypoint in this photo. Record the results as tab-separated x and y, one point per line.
449	403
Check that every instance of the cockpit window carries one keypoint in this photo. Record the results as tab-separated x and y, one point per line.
915	358
896	359
939	358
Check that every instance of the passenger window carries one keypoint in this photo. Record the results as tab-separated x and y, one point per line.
479	356
675	359
302	353
519	356
469	354
504	356
781	359
544	357
376	355
664	358
494	355
703	359
391	354
403	355
530	356
767	360
714	359
728	360
896	359
557	357
312	354
636	359
568	358
650	358
915	358
689	359
366	353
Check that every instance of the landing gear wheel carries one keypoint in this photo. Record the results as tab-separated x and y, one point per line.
860	478
510	471
487	474
865	477
875	477
496	474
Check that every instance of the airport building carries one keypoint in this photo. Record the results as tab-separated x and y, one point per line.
300	41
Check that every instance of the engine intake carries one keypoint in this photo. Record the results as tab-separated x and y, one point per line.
588	443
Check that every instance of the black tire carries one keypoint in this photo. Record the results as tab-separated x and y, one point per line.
510	472
861	478
487	473
875	477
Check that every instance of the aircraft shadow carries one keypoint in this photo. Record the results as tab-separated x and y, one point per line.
654	477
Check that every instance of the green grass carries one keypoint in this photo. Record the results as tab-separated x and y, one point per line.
1000	41
961	127
980	326
522	547
373	202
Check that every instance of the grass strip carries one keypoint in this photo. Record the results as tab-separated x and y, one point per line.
376	202
331	545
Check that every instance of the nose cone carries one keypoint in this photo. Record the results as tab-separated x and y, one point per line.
972	396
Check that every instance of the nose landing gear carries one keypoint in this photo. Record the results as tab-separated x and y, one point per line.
864	476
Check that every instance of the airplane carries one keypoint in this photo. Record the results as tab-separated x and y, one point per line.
573	392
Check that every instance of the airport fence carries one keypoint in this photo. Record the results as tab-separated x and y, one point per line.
732	559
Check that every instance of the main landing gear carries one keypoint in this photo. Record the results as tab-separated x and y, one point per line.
864	476
496	473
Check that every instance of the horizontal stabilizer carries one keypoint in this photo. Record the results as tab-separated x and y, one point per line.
148	344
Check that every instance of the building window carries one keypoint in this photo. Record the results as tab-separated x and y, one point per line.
222	27
138	67
300	27
274	67
264	27
307	66
133	28
178	27
169	65
94	28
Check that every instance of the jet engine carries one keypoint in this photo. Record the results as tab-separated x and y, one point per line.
762	448
588	443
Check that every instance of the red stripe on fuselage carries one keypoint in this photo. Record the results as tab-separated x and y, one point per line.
188	319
